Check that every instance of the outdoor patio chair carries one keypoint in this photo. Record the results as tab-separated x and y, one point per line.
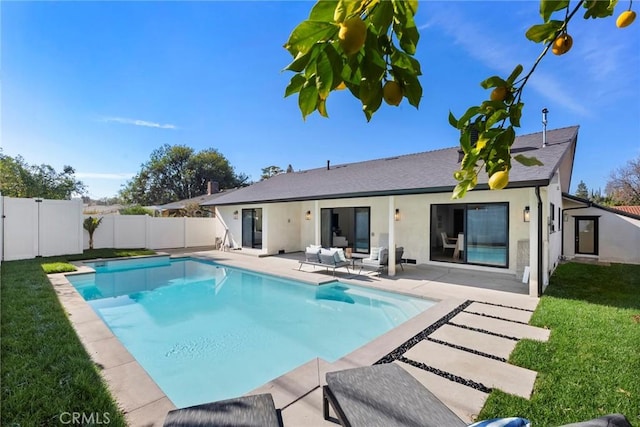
247	411
383	396
448	242
377	260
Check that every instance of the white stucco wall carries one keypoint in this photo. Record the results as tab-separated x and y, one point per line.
618	235
285	226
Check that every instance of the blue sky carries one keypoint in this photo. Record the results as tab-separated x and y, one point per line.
100	85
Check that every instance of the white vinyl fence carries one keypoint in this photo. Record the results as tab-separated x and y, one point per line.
141	231
39	227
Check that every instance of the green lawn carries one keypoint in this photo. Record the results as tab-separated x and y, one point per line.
591	364
45	371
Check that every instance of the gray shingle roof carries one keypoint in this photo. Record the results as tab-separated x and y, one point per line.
427	172
205	199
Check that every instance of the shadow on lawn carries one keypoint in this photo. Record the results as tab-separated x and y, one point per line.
617	285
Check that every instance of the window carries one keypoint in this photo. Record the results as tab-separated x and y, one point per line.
480	232
552	221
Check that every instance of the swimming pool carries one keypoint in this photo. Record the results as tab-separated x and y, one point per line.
205	332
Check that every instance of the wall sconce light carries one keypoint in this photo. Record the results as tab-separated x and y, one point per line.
307	215
525	214
235	214
397	215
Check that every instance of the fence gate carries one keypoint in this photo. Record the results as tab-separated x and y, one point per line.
40	227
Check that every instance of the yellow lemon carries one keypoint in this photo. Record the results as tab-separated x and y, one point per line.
392	93
625	19
352	34
499	180
562	44
499	93
341	86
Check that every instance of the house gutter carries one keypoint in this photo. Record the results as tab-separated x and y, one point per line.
540	251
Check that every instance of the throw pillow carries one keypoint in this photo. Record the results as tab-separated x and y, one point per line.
375	253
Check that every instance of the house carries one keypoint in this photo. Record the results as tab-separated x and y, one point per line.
406	201
193	206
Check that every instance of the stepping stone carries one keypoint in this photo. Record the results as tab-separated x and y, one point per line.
489	372
502	327
464	401
501	312
490	344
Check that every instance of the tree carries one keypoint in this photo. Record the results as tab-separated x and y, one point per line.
270	171
19	179
91	224
582	191
176	173
367	46
624	183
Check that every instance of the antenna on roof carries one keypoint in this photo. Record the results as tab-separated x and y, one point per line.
544	126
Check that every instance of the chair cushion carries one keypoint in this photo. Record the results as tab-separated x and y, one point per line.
311	255
375	253
248	411
340	253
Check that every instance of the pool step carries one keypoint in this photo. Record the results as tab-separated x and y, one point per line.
474	368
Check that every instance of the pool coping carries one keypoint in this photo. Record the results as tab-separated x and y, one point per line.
144	403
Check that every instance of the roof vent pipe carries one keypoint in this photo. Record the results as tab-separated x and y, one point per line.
328	164
544	127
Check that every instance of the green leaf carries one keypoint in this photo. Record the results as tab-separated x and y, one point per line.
527	161
308	100
409	39
337	65
547	7
463	121
515	114
373	65
323	10
514	75
307	34
543	32
382	17
402	60
469	160
324	75
302	59
493	81
496	117
452	120
412	89
295	85
460	190
322	107
599	8
506	138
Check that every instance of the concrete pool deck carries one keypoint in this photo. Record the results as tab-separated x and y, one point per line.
459	347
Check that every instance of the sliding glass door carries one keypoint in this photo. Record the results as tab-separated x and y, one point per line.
471	233
252	228
346	227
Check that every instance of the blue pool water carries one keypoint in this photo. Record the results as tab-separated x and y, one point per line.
206	332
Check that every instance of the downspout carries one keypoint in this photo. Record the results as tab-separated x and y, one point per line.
540	245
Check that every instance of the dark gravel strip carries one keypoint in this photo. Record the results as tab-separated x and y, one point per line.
484	331
495	317
398	352
468	350
506	306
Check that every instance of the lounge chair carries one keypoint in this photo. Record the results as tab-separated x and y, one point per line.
383	396
247	411
378	261
327	258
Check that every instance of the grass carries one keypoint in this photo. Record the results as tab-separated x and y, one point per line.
45	370
590	365
57	267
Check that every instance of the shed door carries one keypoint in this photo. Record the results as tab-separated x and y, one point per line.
587	235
